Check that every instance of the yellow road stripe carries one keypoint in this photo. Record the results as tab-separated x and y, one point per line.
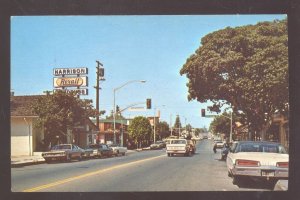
86	175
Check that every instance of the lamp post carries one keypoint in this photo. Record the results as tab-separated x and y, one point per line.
114	109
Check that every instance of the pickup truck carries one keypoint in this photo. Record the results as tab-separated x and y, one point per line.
117	149
179	146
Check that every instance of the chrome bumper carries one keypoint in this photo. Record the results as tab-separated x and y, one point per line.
267	171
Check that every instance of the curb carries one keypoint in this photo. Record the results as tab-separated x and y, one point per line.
22	164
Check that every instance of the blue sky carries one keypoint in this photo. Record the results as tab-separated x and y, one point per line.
151	48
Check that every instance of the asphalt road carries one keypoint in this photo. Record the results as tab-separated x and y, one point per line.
140	171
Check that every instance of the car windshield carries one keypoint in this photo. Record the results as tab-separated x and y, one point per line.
265	148
58	147
178	141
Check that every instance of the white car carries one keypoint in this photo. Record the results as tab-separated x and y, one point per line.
257	160
117	149
179	146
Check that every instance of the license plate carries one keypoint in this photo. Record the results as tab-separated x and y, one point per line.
267	173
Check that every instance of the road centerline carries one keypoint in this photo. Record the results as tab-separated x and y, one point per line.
66	180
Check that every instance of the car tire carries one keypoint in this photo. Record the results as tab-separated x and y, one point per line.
80	157
117	153
47	160
168	154
123	154
237	180
229	174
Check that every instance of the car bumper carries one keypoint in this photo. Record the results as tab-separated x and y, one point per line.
177	151
54	157
263	172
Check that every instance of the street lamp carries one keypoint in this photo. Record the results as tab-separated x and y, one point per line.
114	109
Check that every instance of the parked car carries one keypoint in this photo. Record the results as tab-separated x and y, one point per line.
117	149
100	150
257	160
179	146
65	152
219	144
158	145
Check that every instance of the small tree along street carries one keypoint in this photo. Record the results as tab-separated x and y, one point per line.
162	129
244	67
140	130
177	125
60	112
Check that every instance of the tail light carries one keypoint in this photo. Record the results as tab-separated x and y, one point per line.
247	163
282	164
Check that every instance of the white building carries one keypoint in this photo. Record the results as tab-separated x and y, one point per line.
24	136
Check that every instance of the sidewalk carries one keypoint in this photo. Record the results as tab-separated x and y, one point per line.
20	161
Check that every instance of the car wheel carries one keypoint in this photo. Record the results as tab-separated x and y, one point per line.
123	153
117	152
100	155
229	174
168	154
48	160
80	157
237	180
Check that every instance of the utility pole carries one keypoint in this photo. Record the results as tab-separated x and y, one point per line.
99	76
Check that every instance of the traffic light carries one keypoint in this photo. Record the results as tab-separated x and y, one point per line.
148	103
117	109
202	112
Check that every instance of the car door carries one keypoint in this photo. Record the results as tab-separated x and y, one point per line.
105	149
76	151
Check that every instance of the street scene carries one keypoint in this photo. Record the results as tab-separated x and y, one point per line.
149	103
148	170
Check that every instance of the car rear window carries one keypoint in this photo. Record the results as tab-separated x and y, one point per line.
265	148
178	141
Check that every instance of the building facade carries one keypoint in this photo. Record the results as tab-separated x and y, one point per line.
26	139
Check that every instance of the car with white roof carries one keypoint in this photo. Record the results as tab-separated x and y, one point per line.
259	160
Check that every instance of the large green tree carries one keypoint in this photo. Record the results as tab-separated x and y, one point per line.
59	112
162	129
140	130
244	67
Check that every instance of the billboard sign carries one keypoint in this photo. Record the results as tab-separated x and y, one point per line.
78	91
70	81
69	71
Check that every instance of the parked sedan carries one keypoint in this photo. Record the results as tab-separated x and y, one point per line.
257	160
158	145
117	149
65	152
100	150
219	144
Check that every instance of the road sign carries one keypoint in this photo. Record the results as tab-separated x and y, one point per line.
136	109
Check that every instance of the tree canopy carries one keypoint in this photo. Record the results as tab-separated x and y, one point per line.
140	129
245	67
163	129
59	112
